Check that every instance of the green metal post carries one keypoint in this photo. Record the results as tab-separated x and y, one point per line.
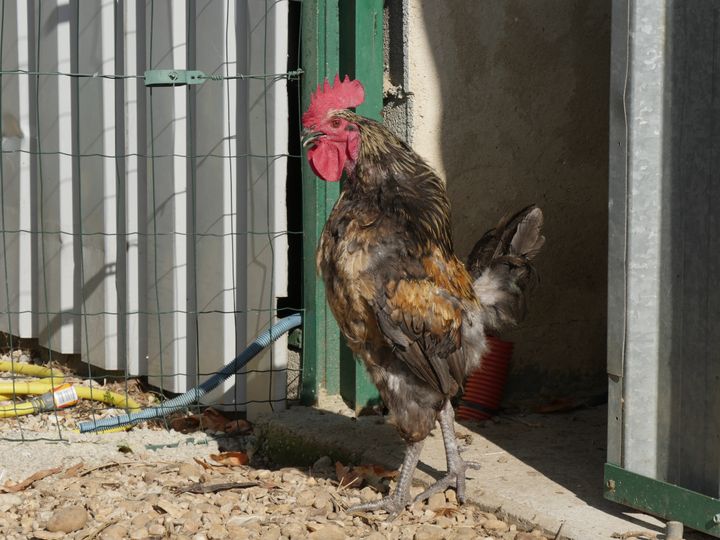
361	57
321	347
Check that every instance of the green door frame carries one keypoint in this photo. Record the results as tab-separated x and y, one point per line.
327	363
321	337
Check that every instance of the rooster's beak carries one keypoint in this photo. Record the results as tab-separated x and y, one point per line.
308	138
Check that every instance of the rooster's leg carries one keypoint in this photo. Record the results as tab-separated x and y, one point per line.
400	498
456	466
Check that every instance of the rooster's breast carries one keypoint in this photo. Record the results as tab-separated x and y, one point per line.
348	256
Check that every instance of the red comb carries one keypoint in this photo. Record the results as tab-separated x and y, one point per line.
341	95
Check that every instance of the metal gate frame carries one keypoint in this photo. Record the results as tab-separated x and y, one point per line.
659	59
327	364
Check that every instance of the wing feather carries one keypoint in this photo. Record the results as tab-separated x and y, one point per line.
421	317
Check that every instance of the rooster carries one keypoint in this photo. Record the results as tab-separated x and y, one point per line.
408	307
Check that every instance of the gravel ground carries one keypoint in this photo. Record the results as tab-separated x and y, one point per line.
138	498
206	483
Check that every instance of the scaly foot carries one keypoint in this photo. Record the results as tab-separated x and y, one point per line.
396	503
456	466
392	504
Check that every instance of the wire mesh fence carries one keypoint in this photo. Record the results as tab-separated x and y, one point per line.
144	231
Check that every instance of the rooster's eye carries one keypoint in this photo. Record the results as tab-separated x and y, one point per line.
335	123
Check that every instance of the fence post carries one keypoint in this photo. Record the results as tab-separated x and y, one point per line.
321	337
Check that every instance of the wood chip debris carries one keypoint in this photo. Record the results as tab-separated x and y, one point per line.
9	487
199	487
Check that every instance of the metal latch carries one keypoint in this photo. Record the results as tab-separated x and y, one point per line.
174	77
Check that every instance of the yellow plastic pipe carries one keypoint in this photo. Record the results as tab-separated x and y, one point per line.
17	409
21	368
51	379
24	388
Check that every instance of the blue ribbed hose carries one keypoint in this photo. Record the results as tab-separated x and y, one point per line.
191	396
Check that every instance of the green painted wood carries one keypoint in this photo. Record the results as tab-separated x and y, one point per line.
345	37
361	57
321	337
369	66
665	500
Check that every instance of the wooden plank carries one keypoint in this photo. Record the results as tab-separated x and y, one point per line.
361	57
321	346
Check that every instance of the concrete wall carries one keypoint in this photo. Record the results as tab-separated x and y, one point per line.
509	102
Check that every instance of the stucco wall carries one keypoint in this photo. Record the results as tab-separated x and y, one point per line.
509	102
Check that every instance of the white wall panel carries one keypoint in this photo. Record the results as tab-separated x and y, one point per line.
267	251
58	283
15	238
219	237
135	188
167	215
28	268
158	215
96	174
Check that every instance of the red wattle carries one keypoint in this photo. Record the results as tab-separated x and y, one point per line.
327	160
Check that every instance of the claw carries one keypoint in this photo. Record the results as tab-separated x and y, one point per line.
441	485
392	504
455	478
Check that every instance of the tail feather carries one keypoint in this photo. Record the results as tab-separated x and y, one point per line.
500	264
528	239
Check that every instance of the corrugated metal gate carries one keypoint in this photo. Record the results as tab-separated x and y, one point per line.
663	299
145	228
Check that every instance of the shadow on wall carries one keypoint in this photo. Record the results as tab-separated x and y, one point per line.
523	88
